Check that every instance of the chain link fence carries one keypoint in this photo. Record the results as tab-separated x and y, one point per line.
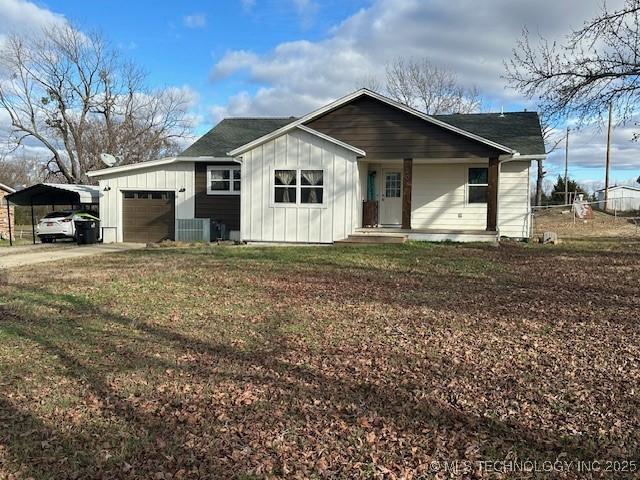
566	221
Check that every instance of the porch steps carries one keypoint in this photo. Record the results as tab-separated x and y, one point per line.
373	239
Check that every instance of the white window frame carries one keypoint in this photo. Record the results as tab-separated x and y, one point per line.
231	169
475	185
298	186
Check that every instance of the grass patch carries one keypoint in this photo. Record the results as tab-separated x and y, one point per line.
308	362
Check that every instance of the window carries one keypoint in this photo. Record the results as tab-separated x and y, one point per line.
311	186
300	187
392	184
477	185
285	182
147	195
223	180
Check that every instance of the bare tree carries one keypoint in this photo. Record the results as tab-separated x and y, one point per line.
552	138
70	91
20	172
596	65
370	82
428	87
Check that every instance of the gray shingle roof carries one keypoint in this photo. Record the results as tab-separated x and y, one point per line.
517	130
232	133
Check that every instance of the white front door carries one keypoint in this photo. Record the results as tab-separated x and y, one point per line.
391	197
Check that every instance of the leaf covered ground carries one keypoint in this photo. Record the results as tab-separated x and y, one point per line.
398	361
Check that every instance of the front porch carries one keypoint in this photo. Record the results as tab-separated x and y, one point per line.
373	235
430	199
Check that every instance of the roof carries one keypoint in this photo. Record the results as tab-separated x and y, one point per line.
6	188
359	93
335	141
518	130
155	163
615	187
55	194
232	133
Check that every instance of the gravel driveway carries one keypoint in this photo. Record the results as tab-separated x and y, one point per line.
11	257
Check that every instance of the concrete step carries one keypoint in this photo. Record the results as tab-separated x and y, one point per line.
373	239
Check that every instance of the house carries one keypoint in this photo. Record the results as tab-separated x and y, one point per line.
623	198
359	165
6	212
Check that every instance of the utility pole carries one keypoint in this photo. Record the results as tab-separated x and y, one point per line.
608	162
566	169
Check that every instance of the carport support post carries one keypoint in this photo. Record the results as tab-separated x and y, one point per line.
33	223
9	219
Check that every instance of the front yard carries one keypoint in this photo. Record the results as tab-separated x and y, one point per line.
306	362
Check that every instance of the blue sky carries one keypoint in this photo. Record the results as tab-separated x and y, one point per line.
178	43
287	57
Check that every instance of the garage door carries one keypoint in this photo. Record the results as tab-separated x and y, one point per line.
148	216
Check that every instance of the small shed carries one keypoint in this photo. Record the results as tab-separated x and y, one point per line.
53	194
623	198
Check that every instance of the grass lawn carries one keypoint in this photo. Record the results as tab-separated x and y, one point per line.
308	362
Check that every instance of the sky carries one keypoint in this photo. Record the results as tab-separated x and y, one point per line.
288	57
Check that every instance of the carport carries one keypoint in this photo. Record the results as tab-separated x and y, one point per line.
52	194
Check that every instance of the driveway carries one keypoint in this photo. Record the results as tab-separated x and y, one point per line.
28	255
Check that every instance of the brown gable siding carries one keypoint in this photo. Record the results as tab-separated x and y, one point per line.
222	208
385	132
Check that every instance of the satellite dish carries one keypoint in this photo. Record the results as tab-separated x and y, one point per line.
108	159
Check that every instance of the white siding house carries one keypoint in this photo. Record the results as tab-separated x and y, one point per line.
265	220
363	165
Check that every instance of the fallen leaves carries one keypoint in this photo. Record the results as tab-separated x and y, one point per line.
303	363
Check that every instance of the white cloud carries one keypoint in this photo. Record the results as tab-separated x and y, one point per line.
306	10
587	149
473	41
195	20
247	5
19	16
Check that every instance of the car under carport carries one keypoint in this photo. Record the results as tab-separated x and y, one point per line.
53	194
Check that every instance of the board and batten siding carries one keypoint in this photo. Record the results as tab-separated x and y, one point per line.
439	199
173	177
262	220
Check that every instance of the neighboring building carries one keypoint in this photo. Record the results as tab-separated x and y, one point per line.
4	220
363	160
623	198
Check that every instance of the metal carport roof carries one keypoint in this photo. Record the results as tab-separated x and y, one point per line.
55	194
51	194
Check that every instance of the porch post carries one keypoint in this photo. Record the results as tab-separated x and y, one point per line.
492	195
407	174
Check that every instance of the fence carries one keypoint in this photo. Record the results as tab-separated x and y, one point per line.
563	220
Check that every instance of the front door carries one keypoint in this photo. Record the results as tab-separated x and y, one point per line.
391	198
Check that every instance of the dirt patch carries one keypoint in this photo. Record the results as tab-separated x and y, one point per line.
566	226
